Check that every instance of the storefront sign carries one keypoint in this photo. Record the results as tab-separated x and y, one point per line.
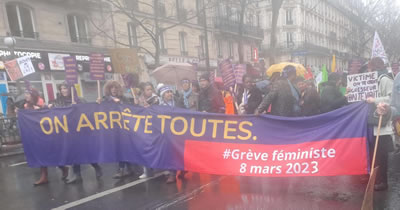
97	66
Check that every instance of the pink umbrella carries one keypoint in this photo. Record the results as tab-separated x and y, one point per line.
173	73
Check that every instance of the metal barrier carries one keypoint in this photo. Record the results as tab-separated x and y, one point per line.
9	133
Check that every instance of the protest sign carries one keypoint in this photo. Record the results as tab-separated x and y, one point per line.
13	70
25	65
124	60
171	138
71	74
362	86
97	66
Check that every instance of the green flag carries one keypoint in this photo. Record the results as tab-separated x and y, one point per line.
324	74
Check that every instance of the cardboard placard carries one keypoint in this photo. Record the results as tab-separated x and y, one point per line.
362	86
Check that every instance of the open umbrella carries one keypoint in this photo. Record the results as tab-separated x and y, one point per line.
173	73
300	70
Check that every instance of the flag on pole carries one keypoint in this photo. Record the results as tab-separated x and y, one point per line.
239	70
324	74
333	66
378	49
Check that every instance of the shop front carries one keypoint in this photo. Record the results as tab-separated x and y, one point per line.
49	72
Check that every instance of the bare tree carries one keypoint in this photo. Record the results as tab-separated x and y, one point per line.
276	6
152	24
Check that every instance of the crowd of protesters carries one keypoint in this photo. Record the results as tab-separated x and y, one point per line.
286	95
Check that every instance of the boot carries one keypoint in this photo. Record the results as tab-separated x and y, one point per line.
76	178
98	170
171	179
64	171
120	174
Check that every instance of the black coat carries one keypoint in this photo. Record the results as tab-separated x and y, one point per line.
253	101
331	98
281	100
210	100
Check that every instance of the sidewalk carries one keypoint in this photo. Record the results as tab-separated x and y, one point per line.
9	150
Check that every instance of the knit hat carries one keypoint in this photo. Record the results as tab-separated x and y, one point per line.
205	76
161	89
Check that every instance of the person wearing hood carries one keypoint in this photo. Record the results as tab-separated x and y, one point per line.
385	88
331	96
210	98
113	93
146	99
284	98
167	98
64	99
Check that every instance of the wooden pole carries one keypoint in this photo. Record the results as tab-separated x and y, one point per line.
98	90
376	142
73	94
135	99
368	202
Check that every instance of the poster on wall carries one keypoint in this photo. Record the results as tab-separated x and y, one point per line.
56	61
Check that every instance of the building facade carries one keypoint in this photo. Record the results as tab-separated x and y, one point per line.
312	31
48	30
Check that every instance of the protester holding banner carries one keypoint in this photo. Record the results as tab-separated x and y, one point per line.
167	98
146	99
249	96
113	93
284	97
331	97
64	99
188	98
34	101
310	103
385	87
210	98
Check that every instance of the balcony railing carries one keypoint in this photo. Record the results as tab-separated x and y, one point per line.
228	25
24	34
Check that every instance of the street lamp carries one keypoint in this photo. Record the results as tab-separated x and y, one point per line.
10	42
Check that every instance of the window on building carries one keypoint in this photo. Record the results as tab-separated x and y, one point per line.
200	13
289	39
182	42
289	17
20	20
161	9
132	34
180	10
132	4
219	48
202	46
231	53
78	29
161	41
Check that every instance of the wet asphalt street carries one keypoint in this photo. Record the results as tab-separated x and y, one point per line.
197	191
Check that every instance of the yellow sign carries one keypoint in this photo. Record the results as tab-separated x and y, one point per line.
125	60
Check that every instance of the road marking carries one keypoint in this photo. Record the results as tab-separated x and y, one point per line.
17	164
107	192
